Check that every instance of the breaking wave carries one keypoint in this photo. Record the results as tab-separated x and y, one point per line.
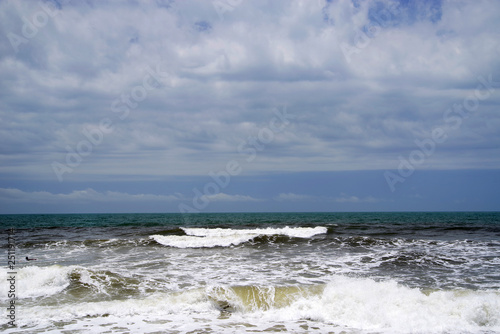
349	303
225	237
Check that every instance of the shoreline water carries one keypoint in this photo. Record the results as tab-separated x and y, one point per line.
247	272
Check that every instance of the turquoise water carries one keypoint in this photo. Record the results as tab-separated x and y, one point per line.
152	219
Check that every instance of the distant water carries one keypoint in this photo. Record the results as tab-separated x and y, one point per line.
256	272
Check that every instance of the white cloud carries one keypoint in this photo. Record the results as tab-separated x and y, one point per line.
355	199
293	197
222	197
87	195
344	198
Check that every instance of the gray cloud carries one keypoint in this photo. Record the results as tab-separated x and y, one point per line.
86	195
91	195
364	80
343	198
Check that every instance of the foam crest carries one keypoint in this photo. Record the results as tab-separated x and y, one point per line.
357	304
365	304
387	306
294	232
35	281
184	241
258	298
41	282
225	237
154	306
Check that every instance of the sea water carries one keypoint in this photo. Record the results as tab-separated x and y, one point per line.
255	272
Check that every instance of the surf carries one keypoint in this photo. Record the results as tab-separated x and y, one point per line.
349	303
225	237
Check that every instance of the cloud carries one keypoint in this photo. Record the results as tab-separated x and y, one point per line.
354	199
293	197
222	197
91	195
79	196
344	198
68	75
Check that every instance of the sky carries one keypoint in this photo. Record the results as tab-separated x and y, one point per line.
249	105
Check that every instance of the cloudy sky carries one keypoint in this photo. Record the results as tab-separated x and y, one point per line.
249	105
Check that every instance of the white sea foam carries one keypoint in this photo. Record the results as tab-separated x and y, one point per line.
129	312
294	232
387	306
368	306
186	241
38	282
35	281
347	304
224	237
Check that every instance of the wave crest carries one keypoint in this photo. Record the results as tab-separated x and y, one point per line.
225	237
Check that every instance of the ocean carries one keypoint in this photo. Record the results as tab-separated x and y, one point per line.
252	273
